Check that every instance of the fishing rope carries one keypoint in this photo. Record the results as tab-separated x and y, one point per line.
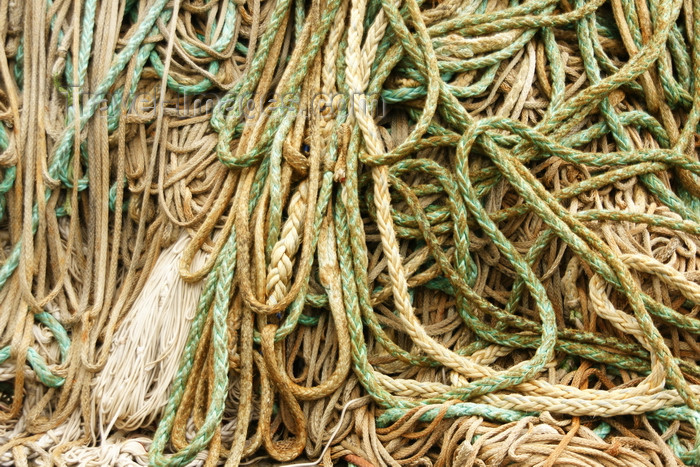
381	232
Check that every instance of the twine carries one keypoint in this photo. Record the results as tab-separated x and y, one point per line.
392	233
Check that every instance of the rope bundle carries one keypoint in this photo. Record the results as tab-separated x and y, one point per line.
393	233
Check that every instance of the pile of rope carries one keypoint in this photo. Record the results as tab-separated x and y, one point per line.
381	232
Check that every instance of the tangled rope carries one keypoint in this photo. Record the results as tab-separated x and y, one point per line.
461	232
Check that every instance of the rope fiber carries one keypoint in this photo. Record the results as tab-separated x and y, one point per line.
379	232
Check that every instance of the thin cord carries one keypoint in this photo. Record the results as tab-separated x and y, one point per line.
330	440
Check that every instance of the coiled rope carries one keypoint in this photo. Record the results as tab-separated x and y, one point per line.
472	226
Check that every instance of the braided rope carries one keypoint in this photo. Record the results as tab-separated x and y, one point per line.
455	218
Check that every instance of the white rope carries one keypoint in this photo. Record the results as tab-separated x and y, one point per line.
134	385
